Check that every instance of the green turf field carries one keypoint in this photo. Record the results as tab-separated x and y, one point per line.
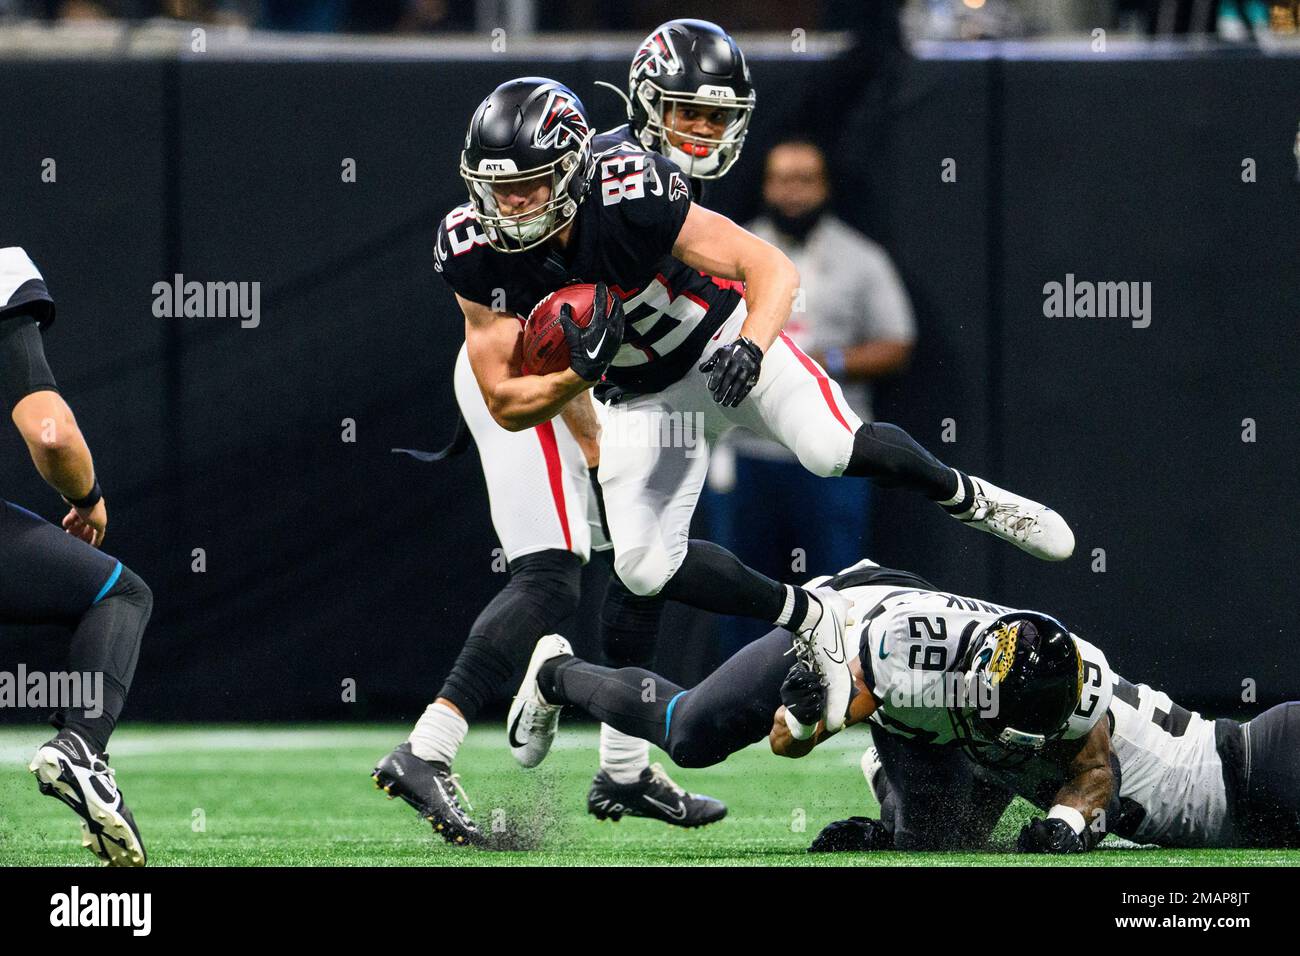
290	796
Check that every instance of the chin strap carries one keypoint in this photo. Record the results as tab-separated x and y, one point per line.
627	101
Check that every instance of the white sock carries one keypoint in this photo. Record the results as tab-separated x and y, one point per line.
961	490
802	610
438	734
621	756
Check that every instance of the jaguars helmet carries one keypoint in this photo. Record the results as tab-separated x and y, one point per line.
528	129
690	64
1025	670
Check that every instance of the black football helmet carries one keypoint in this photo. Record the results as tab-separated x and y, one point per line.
528	129
690	63
1027	667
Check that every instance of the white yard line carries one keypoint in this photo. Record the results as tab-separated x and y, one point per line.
17	744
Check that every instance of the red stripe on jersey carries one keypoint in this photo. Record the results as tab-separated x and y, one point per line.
551	452
822	381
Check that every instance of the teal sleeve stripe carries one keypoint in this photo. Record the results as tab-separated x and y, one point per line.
668	717
108	585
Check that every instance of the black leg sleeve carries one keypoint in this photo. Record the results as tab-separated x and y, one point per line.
731	709
629	625
711	578
892	458
107	641
629	699
542	591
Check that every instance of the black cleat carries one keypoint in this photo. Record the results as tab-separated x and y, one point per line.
656	797
67	769
432	789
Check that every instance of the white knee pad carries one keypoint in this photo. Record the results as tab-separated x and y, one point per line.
646	570
825	451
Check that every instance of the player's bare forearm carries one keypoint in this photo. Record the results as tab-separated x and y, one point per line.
770	287
54	441
516	401
1092	783
528	400
580	417
715	245
783	742
1089	793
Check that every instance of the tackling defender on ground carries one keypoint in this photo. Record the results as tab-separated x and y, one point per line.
971	703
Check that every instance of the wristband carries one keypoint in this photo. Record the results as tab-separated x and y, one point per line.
93	497
835	362
1070	815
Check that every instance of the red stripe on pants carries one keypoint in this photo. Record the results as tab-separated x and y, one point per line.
551	452
822	381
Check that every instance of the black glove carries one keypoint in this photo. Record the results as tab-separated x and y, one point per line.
803	695
854	835
1048	836
734	371
592	349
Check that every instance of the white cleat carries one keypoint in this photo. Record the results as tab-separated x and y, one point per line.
532	722
871	767
1028	525
824	650
68	770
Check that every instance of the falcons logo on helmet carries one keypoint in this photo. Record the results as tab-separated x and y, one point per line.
656	57
562	123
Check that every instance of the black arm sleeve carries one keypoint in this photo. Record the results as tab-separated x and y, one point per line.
23	368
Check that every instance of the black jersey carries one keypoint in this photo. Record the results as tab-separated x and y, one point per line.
623	235
622	136
21	287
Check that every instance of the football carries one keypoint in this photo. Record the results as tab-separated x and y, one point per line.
545	350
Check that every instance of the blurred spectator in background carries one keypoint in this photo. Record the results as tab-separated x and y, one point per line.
854	317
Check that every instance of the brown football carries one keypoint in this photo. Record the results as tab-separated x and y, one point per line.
545	350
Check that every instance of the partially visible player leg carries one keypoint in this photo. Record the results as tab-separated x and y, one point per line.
50	576
798	405
1272	797
538	490
931	796
727	711
651	486
629	630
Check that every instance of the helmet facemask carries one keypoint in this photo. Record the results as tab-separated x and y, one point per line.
700	157
516	232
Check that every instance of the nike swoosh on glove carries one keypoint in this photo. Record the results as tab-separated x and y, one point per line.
803	695
592	349
733	371
1048	836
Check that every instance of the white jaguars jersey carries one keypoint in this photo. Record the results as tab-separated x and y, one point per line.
21	285
1171	776
1171	788
911	641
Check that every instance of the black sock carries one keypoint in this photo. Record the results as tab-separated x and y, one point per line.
711	578
542	591
107	641
892	458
